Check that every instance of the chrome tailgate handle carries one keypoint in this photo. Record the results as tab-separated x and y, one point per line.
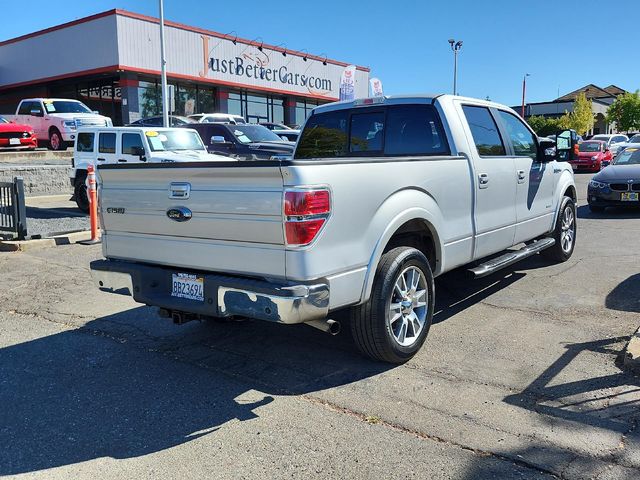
179	190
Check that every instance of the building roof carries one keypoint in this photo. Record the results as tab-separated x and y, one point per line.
592	91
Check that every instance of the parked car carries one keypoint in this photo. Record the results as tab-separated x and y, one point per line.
634	141
613	141
242	141
617	185
16	135
158	121
275	126
592	156
218	118
381	196
127	145
289	135
56	121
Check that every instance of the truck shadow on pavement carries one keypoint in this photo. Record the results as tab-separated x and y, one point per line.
612	213
130	384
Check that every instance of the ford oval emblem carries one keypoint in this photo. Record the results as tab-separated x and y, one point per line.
179	214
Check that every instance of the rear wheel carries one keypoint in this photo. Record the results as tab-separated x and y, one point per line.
564	233
80	192
393	324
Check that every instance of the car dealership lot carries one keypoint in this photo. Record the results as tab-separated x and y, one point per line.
518	378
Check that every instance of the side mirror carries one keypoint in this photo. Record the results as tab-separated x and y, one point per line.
139	152
36	112
566	143
217	139
547	150
283	137
96	112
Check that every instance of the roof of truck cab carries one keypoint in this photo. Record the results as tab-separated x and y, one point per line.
132	129
47	99
404	99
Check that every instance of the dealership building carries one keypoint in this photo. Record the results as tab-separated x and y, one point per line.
111	62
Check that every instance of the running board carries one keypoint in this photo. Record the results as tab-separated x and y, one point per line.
510	258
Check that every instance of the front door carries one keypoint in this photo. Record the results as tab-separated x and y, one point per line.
495	185
535	180
130	147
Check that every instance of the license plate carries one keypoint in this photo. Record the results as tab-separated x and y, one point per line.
186	285
14	141
629	197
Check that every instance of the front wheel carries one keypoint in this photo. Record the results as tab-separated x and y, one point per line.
393	324
55	140
564	232
80	192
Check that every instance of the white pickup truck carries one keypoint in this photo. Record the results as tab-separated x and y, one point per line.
56	120
381	196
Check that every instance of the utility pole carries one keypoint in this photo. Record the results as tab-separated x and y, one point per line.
524	91
163	65
455	46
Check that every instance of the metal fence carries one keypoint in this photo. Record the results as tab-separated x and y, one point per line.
13	212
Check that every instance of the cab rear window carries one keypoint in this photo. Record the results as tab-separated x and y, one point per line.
395	130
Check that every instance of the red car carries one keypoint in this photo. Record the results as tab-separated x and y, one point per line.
591	154
15	135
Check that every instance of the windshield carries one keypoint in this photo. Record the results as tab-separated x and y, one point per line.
604	138
254	133
174	140
65	106
630	156
590	146
3	120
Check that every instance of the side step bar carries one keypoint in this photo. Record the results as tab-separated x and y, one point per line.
510	258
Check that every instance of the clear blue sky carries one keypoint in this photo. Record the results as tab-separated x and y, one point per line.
563	44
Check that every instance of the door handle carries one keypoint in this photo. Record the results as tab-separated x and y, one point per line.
101	159
483	180
122	160
521	176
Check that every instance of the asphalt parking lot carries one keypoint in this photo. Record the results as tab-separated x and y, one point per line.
519	379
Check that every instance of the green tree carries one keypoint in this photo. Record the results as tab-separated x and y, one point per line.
544	126
625	112
581	119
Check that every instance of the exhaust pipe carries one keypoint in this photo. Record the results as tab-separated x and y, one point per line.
329	326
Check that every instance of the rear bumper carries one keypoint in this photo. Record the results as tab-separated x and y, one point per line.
224	296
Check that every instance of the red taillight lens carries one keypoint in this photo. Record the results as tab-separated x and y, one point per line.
306	202
306	212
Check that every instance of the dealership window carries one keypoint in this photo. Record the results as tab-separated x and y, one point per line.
206	100
303	110
277	110
234	103
148	99
185	103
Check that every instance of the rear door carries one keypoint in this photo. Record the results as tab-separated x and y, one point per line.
107	142
535	179
495	182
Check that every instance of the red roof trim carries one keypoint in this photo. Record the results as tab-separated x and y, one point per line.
182	26
116	68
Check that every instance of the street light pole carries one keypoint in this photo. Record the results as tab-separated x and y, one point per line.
524	91
455	46
163	66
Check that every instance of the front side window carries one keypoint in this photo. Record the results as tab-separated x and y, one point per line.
484	131
129	143
522	140
414	130
324	136
367	131
107	143
85	142
26	107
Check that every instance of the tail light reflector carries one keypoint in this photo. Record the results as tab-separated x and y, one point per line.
306	212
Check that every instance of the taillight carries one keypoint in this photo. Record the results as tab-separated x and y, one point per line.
305	211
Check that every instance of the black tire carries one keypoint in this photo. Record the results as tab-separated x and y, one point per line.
596	209
55	140
80	192
559	252
371	325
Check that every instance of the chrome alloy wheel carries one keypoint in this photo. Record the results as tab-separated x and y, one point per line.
55	141
568	230
408	309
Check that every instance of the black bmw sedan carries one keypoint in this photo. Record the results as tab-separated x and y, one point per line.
617	185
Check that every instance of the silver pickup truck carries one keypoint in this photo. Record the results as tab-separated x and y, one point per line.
381	196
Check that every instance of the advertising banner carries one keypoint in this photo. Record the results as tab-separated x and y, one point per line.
348	83
376	87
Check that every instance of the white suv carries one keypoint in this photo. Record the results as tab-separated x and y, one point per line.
218	118
613	141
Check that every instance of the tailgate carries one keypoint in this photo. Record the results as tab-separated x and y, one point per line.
235	209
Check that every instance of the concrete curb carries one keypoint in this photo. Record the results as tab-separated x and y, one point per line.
632	353
41	243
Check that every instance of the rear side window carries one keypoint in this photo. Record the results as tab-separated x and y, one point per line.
414	130
129	141
107	143
85	142
484	131
366	132
324	136
524	145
